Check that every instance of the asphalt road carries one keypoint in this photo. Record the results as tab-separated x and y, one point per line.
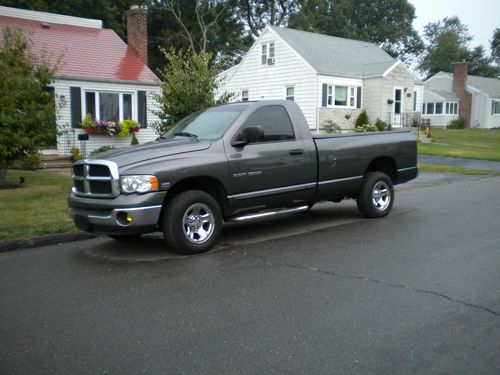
324	292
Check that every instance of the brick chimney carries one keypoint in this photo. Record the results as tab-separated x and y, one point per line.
460	88
137	31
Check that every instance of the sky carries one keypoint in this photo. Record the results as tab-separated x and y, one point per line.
481	16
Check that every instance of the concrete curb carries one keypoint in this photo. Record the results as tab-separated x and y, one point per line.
51	239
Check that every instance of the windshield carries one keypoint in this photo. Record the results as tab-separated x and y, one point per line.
206	124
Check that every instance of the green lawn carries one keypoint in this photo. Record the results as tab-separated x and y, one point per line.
434	168
36	209
466	143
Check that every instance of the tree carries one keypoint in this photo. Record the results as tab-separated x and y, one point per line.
189	83
27	110
259	13
480	64
201	26
386	23
495	46
448	43
440	56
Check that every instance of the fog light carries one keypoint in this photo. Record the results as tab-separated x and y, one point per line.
123	218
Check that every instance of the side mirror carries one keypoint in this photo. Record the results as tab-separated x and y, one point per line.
249	135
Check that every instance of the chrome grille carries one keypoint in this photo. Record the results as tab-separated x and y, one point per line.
96	178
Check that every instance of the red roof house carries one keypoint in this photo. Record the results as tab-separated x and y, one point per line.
97	72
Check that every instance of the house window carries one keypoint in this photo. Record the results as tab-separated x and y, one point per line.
267	55
290	93
439	108
414	101
244	95
430	108
495	107
424	107
108	106
451	108
342	96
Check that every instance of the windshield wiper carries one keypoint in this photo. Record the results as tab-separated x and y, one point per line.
186	134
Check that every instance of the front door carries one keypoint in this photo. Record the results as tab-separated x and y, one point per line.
397	107
276	171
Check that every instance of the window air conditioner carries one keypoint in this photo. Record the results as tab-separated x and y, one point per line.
270	61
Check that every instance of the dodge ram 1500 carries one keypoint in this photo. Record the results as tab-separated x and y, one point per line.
235	162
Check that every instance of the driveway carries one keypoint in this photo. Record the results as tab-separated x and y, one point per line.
325	292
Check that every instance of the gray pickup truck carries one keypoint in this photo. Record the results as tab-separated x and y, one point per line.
235	162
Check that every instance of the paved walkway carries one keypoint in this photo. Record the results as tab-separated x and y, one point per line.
458	162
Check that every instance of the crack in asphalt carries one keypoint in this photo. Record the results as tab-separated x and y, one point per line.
368	279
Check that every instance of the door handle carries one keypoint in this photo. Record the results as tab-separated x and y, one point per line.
298	151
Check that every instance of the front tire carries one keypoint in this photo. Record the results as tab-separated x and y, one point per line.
192	222
376	196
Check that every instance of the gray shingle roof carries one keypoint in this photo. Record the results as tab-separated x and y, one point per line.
337	56
439	95
490	86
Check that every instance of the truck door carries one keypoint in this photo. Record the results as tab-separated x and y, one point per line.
275	171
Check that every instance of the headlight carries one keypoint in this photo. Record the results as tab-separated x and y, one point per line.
138	184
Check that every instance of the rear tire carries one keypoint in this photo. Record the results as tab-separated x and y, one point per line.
192	222
376	196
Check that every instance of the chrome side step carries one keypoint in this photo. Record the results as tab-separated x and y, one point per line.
266	214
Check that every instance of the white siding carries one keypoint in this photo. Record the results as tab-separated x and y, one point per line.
419	89
266	82
68	137
440	121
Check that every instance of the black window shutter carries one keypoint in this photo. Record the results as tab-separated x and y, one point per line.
142	109
358	99
324	100
75	97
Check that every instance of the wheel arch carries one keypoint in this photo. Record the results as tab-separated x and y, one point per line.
385	165
209	185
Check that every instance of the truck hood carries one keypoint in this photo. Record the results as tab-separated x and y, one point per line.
152	150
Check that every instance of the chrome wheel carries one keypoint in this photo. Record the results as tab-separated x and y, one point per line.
198	223
381	196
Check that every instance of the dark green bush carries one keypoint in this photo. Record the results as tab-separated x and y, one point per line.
362	119
382	125
458	123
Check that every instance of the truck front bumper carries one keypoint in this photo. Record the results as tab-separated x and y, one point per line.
125	214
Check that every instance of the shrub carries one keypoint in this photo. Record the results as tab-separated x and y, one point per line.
330	127
362	119
458	123
31	160
102	149
75	154
381	125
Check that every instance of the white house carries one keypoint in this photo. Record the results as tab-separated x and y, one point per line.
450	95
98	73
330	78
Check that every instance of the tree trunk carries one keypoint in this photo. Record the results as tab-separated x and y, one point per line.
3	171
